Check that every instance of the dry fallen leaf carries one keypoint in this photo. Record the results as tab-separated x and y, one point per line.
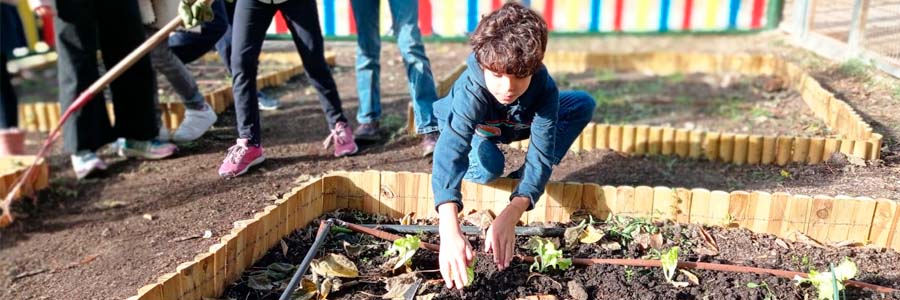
483	219
781	243
803	238
656	241
354	250
590	235
611	246
399	286
426	296
642	239
572	234
692	278
284	248
335	265
108	204
847	243
408	219
148	217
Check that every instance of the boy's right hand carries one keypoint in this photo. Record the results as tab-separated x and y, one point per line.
456	253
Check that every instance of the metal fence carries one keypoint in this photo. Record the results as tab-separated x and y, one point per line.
843	29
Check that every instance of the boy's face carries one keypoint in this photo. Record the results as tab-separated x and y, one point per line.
506	88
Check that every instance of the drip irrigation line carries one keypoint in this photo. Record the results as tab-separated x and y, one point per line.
321	234
471	230
637	262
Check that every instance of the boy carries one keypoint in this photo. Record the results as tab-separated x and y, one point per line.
505	95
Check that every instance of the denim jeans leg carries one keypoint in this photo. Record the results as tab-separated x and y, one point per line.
576	108
368	53
418	68
485	161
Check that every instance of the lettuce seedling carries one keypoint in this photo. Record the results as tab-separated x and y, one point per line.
404	249
669	262
829	284
548	256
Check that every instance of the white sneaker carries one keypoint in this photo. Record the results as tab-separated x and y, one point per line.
196	122
85	163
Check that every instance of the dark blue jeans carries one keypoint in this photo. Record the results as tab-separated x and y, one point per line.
189	46
576	108
405	17
251	19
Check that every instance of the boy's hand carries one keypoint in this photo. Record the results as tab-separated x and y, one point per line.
501	236
456	253
195	12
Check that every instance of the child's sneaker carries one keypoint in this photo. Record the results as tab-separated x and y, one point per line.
85	163
152	149
342	137
240	158
196	123
266	102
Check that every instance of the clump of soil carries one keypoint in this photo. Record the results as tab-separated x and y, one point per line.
735	246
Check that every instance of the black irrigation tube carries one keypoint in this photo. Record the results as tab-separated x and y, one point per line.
414	229
324	229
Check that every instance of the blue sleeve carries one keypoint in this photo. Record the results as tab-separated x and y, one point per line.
539	159
451	154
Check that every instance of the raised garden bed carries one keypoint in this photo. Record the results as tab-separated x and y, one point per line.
12	168
839	127
809	220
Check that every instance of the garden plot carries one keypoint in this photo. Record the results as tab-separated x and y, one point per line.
368	268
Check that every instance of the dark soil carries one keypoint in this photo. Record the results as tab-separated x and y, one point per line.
78	246
736	104
736	246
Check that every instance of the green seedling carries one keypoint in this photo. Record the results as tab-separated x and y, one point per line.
770	295
470	270
404	249
547	256
624	228
829	285
669	262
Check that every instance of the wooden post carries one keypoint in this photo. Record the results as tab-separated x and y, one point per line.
610	198
682	143
761	214
43	123
796	216
726	147
668	141
885	217
699	206
643	202
816	150
624	201
719	202
832	145
820	217
615	138
683	205
859	216
754	149
847	146
592	201
740	210
711	145
601	133
664	204
784	146
741	144
588	139
861	149
628	139
641	137
571	200
696	144
654	141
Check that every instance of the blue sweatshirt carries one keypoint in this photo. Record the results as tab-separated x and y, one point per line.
471	109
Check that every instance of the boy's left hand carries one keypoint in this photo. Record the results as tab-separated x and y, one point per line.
501	236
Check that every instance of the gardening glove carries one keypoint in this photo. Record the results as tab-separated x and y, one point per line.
195	12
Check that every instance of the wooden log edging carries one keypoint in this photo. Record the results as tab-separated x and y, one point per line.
855	136
13	167
43	116
394	194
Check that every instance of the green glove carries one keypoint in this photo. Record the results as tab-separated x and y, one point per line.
195	12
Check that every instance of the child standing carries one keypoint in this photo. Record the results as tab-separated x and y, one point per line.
251	19
505	95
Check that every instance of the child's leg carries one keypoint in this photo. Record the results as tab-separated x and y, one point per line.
190	46
251	19
418	69
166	63
576	108
302	15
120	32
485	161
368	53
9	103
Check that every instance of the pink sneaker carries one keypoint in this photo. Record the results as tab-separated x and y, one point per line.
343	140
240	158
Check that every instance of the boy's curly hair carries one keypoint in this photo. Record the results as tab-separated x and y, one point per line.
511	40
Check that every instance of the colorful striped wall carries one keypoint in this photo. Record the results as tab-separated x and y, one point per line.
456	18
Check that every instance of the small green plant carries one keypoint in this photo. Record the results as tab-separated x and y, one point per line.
624	228
629	274
470	271
830	285
770	295
404	249
604	75
676	78
802	262
669	262
855	68
547	255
